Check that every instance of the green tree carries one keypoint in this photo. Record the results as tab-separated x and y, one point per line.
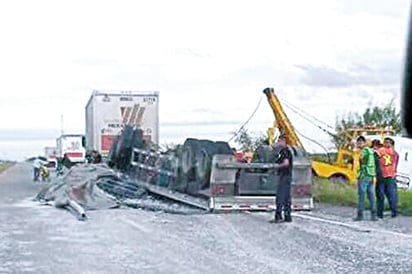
247	141
385	116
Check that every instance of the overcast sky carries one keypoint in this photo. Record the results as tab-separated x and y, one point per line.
209	60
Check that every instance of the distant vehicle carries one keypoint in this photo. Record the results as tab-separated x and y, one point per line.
107	113
51	156
73	146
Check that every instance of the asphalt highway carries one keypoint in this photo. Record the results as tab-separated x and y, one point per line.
36	238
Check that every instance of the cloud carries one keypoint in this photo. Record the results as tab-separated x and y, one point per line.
203	123
386	8
355	74
263	72
189	52
95	62
325	76
27	134
209	61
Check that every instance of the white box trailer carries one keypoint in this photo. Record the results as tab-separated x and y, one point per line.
72	146
108	111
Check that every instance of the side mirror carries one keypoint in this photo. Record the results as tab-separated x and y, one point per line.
406	111
84	141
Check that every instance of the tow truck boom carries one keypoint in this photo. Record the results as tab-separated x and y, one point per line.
282	121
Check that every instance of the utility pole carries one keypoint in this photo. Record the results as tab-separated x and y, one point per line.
61	125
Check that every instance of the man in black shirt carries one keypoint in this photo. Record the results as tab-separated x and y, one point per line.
283	195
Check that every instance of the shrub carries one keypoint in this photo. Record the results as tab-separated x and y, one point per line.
4	166
344	195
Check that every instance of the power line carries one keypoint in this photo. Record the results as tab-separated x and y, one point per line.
247	121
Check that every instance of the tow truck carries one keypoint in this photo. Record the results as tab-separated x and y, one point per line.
344	168
206	174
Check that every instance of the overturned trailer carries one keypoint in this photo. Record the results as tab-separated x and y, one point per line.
206	174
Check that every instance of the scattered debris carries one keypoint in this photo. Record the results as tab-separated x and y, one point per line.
95	186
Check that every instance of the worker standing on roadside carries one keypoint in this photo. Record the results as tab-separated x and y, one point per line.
396	161
37	163
66	162
386	185
94	157
283	195
366	178
377	145
97	159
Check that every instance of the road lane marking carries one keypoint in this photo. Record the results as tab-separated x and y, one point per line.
135	224
353	227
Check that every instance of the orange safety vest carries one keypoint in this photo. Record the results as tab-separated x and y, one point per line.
387	162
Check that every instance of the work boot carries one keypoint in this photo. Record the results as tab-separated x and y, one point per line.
359	217
277	219
288	218
373	215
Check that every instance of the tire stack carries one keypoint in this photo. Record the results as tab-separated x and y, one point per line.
196	162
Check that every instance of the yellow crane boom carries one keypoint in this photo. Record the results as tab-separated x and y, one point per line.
282	121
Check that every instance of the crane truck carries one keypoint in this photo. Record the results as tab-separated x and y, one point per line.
206	173
344	168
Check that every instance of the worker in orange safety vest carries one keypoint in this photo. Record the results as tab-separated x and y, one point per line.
386	185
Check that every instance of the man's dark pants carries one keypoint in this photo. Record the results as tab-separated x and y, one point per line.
283	198
36	173
386	187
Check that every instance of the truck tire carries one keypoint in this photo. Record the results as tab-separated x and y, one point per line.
264	154
204	155
188	159
223	148
137	138
124	149
187	164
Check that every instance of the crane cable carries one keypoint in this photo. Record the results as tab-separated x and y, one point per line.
316	142
296	110
290	107
293	108
307	113
247	121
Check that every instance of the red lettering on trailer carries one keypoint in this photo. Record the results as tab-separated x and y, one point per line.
74	154
263	206
226	206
